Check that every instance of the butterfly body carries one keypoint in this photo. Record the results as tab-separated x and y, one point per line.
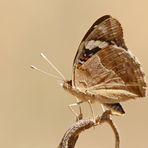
104	69
83	96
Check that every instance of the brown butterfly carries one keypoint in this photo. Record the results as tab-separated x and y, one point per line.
104	69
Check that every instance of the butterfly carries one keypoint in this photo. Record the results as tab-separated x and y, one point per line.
104	69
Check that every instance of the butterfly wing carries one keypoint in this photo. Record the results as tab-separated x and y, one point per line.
104	66
105	29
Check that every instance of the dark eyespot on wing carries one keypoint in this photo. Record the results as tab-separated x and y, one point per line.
87	54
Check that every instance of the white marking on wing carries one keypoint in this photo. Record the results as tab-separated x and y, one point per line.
93	44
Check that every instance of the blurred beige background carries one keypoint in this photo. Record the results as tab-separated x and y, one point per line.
33	107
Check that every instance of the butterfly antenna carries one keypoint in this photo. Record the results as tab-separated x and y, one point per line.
49	74
52	65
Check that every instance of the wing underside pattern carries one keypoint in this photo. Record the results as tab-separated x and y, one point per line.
105	67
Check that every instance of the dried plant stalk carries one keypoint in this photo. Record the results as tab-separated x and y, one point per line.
72	134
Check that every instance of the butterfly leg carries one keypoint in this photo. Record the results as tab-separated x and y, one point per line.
80	110
80	115
103	108
92	111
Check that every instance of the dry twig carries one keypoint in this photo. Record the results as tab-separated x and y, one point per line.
72	134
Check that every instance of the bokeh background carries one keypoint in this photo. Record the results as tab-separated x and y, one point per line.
33	106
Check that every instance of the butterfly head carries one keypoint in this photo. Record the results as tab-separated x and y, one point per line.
67	85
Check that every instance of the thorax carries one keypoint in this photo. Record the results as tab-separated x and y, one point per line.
82	95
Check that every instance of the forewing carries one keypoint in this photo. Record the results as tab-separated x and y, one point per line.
106	30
